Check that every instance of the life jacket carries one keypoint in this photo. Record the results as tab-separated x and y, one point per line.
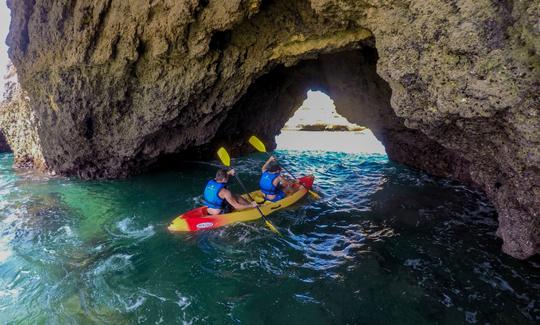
211	194
267	184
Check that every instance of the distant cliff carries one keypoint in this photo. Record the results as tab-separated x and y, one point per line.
18	124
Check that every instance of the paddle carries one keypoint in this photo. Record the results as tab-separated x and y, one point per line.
259	145
226	160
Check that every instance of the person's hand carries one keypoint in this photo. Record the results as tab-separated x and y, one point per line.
254	204
272	158
231	172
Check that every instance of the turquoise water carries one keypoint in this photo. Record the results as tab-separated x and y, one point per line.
386	245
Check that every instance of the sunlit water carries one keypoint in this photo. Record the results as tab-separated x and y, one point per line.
361	142
386	245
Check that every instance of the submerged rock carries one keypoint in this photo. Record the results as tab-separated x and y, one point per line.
448	87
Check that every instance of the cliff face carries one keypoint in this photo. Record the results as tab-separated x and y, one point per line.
448	86
19	125
4	146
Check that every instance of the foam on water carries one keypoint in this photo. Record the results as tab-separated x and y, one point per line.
128	229
133	303
113	263
182	302
5	250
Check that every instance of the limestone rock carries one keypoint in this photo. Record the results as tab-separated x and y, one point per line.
450	87
4	146
19	125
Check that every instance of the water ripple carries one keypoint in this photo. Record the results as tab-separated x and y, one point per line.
385	244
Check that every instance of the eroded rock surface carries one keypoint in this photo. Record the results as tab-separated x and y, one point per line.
19	125
115	85
4	146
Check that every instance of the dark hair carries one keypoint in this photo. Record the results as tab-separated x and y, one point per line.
274	167
222	174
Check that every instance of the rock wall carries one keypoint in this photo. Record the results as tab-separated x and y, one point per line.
19	125
467	75
4	146
115	85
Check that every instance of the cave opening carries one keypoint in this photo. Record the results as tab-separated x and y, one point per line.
360	95
344	86
317	126
346	82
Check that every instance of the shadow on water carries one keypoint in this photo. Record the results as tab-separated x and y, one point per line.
386	244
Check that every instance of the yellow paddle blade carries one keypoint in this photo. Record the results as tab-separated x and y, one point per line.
315	195
257	143
224	156
271	226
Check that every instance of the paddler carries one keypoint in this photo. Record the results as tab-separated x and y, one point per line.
272	183
219	199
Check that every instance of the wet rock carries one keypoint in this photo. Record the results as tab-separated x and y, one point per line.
116	85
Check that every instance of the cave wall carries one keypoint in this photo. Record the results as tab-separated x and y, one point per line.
467	75
18	125
4	146
363	97
114	85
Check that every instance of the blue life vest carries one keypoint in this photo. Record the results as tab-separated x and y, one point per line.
211	194
267	184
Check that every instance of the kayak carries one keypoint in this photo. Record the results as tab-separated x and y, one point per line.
198	219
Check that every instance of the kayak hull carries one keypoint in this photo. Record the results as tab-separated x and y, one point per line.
198	219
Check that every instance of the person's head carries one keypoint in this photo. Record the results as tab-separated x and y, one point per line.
222	176
273	167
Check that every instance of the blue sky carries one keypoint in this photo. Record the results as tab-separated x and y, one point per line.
4	28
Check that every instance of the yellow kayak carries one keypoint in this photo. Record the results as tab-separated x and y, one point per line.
198	219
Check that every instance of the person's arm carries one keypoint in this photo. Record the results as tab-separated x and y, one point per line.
281	182
288	178
265	166
227	195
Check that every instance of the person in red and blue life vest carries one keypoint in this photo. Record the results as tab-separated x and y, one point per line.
272	183
219	199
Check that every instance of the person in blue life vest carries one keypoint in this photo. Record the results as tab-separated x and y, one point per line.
272	183
219	199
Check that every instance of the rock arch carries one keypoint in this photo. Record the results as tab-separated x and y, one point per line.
359	93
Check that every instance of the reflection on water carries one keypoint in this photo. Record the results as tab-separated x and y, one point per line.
385	245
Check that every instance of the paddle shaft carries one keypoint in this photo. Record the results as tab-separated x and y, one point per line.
249	196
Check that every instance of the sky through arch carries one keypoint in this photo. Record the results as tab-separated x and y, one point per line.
318	111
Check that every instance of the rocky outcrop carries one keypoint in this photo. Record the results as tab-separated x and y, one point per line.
19	125
4	146
116	85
